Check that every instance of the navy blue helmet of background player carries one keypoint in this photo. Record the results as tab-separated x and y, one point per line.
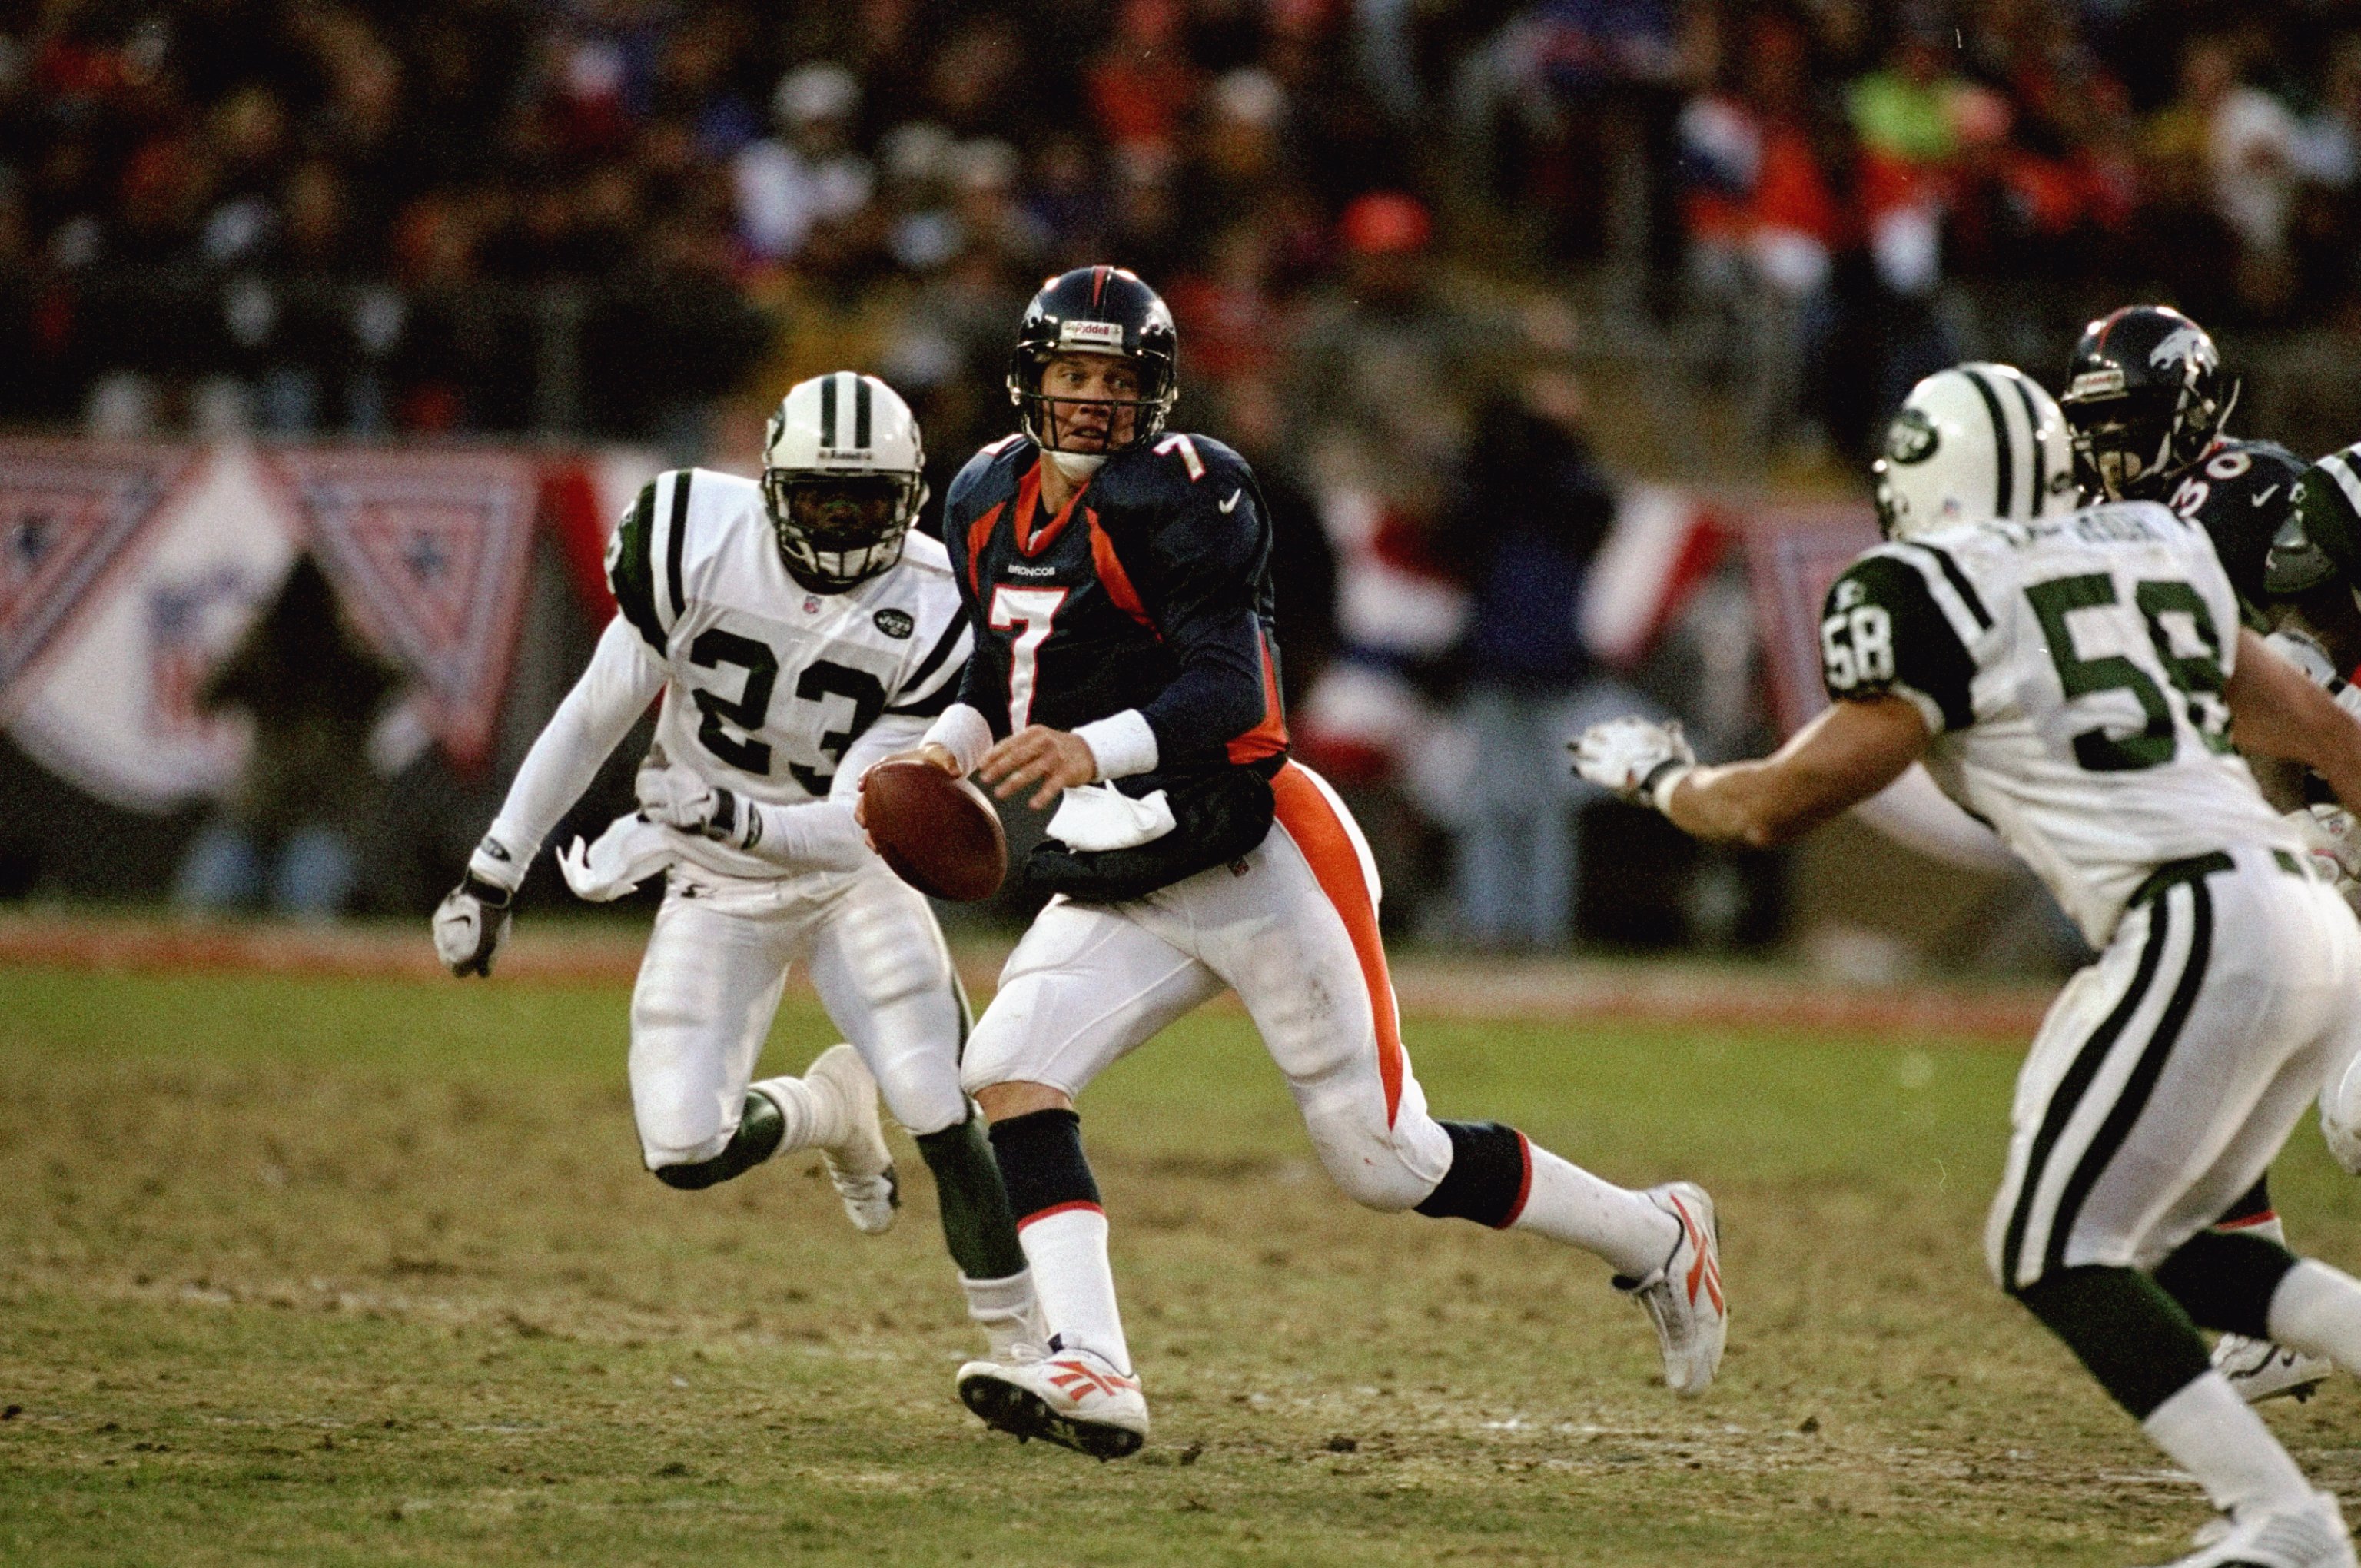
1097	310
2146	397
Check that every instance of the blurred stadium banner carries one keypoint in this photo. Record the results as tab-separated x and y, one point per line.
427	554
129	574
1795	552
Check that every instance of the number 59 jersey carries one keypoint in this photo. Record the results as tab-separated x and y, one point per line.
768	685
2071	670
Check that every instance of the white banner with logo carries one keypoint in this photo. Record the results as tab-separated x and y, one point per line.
107	699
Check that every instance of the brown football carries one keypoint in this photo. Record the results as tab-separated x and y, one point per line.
938	833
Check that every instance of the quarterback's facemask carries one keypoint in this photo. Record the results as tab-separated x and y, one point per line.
837	529
1103	313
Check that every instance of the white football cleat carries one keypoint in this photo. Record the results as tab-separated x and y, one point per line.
2260	1370
2310	1536
860	1164
1073	1399
1682	1295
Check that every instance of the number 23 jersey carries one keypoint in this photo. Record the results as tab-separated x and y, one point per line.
2071	671
767	683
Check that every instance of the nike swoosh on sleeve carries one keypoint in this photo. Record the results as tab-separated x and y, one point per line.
2262	496
1232	504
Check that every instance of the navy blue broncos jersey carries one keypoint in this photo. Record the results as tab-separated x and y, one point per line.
2239	494
1151	590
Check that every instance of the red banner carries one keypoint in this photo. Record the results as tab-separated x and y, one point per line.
428	554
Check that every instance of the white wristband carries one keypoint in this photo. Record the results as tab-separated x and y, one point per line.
964	733
1660	794
1123	744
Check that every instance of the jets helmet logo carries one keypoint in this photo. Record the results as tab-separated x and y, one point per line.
1911	437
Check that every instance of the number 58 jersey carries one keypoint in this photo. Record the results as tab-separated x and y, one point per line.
2071	671
768	686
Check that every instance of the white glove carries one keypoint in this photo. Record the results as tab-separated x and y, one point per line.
473	919
678	797
2332	839
1639	759
631	850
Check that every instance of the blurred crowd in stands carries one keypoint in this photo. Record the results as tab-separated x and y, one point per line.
1393	232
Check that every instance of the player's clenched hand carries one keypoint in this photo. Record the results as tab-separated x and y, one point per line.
1637	758
678	797
1054	759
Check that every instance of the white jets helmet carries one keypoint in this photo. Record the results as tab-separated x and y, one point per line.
842	478
1971	443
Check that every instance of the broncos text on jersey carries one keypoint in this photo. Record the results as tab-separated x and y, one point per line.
768	684
1150	590
2071	671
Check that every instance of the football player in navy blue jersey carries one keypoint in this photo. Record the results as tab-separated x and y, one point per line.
2149	403
1119	577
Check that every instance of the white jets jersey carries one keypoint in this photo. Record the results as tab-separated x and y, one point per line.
769	684
2073	671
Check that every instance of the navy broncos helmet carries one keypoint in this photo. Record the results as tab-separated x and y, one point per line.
1096	309
2146	397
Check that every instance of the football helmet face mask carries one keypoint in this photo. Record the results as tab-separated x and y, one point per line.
2146	398
1095	311
842	479
1971	443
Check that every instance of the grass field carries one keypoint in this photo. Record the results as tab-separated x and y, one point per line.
340	1271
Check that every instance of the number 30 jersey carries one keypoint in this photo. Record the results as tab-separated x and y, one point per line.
2071	670
768	685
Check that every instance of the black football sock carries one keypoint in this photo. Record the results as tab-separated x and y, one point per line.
1486	1179
977	1228
2225	1280
760	1130
1041	1163
2134	1338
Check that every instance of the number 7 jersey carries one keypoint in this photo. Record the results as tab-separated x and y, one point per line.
2071	671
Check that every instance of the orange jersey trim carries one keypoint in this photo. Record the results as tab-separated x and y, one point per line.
979	535
1327	846
1268	738
1112	577
1029	507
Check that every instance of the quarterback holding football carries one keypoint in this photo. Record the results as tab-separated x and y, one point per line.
1119	578
797	631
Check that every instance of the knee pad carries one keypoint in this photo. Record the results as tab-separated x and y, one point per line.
760	1129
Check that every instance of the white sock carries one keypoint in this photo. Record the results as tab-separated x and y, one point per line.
1567	1203
814	1120
2214	1435
2317	1310
1068	1250
1007	1309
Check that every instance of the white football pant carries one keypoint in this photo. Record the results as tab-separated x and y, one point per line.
1293	928
2168	1073
710	982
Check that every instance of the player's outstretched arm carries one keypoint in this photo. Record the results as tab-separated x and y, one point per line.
1839	759
621	680
2276	711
